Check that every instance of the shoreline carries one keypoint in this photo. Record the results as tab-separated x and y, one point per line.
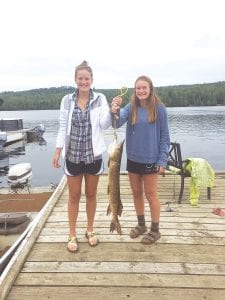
33	190
23	202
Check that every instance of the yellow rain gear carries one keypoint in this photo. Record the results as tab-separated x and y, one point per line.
202	175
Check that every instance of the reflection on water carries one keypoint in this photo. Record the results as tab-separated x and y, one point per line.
199	130
204	126
11	152
4	163
17	148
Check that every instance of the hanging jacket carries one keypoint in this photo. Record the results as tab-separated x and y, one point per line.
100	119
202	175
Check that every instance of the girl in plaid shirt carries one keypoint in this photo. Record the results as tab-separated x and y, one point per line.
83	117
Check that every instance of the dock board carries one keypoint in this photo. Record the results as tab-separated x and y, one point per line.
188	262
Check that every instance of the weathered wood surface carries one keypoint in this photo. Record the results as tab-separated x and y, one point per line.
188	262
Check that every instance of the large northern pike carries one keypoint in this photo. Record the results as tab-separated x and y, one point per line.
115	205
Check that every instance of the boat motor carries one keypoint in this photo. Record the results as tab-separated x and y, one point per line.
19	176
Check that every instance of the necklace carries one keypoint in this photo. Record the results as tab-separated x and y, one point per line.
82	104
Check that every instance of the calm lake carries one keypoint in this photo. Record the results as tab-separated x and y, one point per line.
199	130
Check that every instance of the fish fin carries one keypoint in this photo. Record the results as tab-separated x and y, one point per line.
118	228
120	209
108	210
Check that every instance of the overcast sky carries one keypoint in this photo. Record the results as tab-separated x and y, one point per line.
172	41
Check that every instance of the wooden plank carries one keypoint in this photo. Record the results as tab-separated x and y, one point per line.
129	206
132	252
121	279
124	267
208	215
112	293
62	216
126	239
173	232
101	206
103	226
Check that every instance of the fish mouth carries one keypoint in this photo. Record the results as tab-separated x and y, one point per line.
114	146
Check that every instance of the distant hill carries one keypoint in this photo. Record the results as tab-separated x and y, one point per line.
208	94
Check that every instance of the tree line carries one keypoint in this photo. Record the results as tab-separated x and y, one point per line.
207	94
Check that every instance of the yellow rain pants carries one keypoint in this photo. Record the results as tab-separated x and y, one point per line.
202	175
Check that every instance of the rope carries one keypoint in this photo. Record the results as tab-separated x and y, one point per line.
123	91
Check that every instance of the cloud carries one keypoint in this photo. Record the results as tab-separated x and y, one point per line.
174	42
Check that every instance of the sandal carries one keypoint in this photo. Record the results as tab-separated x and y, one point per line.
137	230
151	237
92	238
72	245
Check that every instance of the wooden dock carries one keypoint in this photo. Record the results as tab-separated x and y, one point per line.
188	262
14	137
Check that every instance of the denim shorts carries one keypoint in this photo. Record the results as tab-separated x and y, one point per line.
139	168
73	169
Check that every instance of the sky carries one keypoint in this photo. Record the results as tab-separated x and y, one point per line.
174	42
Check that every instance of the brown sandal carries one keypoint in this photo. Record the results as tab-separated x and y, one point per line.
151	237
137	231
92	238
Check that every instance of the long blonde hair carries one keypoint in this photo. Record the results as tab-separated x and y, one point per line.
152	101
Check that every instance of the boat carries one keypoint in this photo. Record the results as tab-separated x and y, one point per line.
36	133
8	124
13	223
14	149
14	137
19	176
11	131
14	131
13	227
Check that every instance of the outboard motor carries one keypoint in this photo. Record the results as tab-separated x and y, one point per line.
19	176
40	129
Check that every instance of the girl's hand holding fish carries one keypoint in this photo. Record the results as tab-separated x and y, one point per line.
115	105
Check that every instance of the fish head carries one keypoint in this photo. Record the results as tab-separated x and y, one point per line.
115	150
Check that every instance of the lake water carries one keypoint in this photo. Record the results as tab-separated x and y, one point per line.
199	130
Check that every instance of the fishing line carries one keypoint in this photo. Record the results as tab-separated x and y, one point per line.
123	91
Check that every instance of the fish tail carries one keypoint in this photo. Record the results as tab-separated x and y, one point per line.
120	209
118	228
115	225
